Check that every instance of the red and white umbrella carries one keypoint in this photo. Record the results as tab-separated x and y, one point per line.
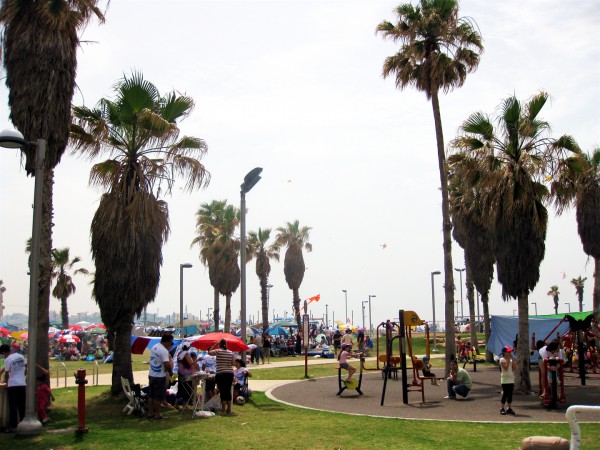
95	325
69	339
76	328
206	341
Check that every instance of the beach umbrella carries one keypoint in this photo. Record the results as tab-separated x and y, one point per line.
276	331
22	336
83	323
4	332
285	323
320	337
69	339
249	332
76	328
95	325
206	341
95	330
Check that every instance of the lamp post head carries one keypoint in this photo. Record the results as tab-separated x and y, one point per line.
344	291
185	266
459	270
11	138
437	272
251	179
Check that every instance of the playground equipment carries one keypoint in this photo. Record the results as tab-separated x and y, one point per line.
351	383
408	320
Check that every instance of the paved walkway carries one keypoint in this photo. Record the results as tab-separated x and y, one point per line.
482	404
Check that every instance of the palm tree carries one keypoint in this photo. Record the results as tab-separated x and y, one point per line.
64	287
295	239
39	42
138	130
578	181
257	246
513	160
554	293
439	49
578	283
2	291
216	223
470	233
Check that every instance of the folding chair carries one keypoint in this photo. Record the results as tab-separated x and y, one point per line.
137	400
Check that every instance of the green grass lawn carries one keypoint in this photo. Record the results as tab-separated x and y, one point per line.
264	424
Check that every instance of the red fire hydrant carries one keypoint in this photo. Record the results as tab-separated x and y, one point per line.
81	382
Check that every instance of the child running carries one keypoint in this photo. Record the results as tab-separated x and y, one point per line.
343	358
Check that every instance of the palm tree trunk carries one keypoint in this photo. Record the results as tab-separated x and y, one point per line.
596	295
522	380
485	299
43	311
297	307
64	313
216	309
471	301
121	341
227	326
265	305
447	232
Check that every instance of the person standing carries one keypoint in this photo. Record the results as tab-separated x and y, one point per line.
347	338
337	341
360	338
258	341
161	364
267	343
14	366
224	376
459	381
508	366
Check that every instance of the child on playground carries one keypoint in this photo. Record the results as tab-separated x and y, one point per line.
428	373
43	395
343	359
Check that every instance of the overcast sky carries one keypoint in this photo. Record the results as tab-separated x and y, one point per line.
295	87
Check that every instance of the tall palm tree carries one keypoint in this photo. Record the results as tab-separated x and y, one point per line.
138	131
39	48
257	246
470	232
578	182
439	49
65	287
216	224
295	239
2	291
514	159
554	293
579	283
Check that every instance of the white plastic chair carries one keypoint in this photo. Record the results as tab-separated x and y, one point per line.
130	407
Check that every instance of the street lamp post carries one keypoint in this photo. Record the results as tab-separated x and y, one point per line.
435	350
181	267
370	321
326	317
363	311
208	315
250	180
569	305
30	425
346	297
535	304
460	271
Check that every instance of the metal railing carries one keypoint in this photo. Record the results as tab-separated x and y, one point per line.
58	368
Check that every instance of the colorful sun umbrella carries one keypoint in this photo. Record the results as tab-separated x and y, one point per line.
4	332
69	339
95	325
206	341
76	328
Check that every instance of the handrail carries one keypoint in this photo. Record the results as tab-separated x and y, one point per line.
58	375
574	425
95	373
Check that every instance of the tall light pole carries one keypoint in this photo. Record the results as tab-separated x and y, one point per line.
181	267
370	321
435	350
363	311
326	316
535	304
569	305
208	315
269	286
30	425
250	180
460	271
346	296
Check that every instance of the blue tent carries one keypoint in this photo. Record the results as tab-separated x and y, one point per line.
505	328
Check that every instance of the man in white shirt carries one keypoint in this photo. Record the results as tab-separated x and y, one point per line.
14	365
161	364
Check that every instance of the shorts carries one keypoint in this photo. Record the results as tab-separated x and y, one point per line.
224	383
157	388
344	365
